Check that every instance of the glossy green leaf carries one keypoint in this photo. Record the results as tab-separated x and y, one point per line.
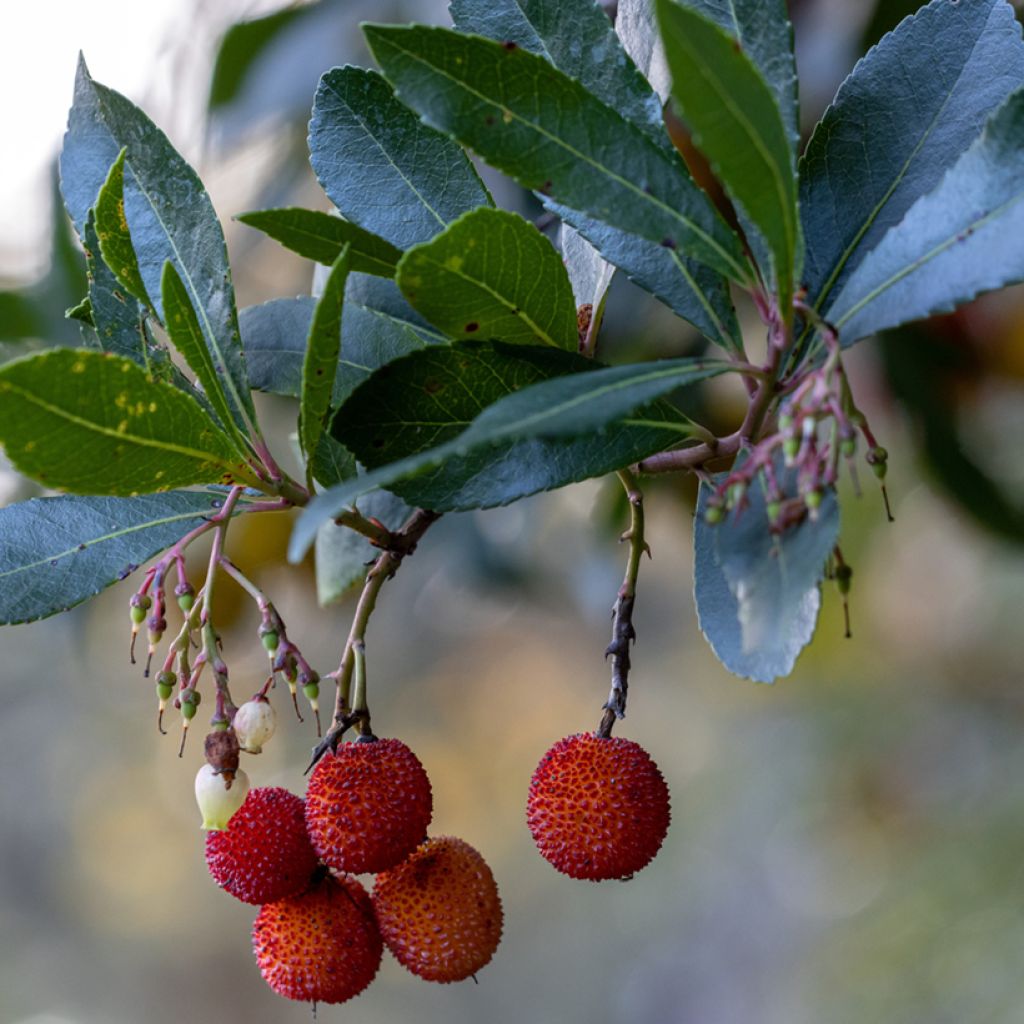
113	236
493	275
910	109
186	335
57	552
321	237
169	216
377	323
323	349
381	166
736	122
530	120
965	238
94	423
578	38
342	555
693	291
758	594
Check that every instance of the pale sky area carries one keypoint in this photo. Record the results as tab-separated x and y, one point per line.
127	45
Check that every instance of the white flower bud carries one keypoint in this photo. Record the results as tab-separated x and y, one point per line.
219	798
254	724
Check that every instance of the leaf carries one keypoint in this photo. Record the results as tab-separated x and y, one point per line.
332	462
117	319
576	37
323	350
169	216
376	322
690	289
965	238
535	439
736	122
57	552
545	130
342	554
492	274
381	166
321	237
905	115
187	337
112	233
589	274
757	594
763	30
94	423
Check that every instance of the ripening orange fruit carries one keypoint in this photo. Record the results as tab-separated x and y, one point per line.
598	807
439	911
322	946
368	806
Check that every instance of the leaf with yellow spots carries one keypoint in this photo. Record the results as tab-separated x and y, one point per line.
492	275
95	423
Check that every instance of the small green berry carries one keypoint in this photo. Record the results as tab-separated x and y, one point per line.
270	640
813	499
878	460
138	614
848	447
774	510
844	575
714	514
311	690
791	447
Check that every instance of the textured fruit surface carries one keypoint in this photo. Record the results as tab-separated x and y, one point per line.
264	854
368	806
439	911
598	808
320	947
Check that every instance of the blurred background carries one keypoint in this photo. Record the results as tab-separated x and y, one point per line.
847	845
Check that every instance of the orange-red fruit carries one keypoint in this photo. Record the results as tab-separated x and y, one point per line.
322	946
439	911
598	808
368	806
264	854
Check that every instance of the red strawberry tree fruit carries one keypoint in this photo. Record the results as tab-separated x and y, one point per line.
452	359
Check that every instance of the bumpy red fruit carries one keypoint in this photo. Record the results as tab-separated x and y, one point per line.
368	806
598	808
264	854
322	946
439	911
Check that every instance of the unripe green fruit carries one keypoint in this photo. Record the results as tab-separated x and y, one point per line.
844	574
878	460
791	447
785	422
848	447
714	514
311	690
164	690
813	499
138	614
774	510
270	640
186	601
736	493
188	711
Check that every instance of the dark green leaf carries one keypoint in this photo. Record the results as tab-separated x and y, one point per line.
965	238
377	323
323	351
116	317
492	274
514	447
169	216
757	594
342	554
911	107
762	29
381	166
693	291
57	552
577	37
94	423
332	462
736	122
525	117
187	337
112	233
321	237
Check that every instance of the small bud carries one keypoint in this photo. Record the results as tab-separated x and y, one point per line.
878	460
219	797
164	687
736	493
844	575
255	722
785	422
311	691
186	595
848	447
813	499
270	640
774	510
714	514
791	448
189	700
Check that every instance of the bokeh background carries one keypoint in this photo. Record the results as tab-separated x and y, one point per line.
847	845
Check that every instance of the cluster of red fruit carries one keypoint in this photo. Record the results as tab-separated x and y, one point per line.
319	935
598	808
